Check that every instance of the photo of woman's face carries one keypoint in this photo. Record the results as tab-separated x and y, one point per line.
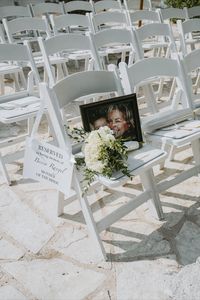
117	122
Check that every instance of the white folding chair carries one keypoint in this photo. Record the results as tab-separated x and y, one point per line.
83	6
110	20
28	28
74	23
154	40
63	93
132	5
107	5
20	29
112	41
17	106
167	15
189	40
172	127
68	46
157	37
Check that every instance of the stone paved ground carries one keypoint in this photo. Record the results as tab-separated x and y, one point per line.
49	258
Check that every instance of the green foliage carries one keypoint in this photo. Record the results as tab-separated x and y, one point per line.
182	4
114	156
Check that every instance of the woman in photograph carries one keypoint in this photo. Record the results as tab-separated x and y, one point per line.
120	120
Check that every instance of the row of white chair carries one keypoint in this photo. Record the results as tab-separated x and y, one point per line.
53	45
40	9
134	43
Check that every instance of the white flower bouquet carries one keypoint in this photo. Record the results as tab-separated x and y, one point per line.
103	155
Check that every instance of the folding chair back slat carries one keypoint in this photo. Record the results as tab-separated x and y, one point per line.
28	24
14	12
70	22
90	82
78	5
62	46
47	8
188	37
132	5
104	5
192	12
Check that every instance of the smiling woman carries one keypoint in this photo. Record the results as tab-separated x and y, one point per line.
120	120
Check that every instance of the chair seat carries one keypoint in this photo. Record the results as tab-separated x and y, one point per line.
153	45
6	68
79	55
194	40
114	49
18	110
139	161
39	61
179	134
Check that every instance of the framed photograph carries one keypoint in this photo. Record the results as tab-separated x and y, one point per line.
119	113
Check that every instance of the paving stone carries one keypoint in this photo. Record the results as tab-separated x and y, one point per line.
46	203
18	221
9	251
172	219
76	243
186	284
174	203
137	239
145	280
8	292
188	243
194	213
55	278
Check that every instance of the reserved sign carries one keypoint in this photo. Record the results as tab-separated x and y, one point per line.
47	163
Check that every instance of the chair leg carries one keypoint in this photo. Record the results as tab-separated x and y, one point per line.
16	81
61	203
149	183
4	171
23	79
65	70
88	216
196	151
150	98
197	84
87	63
60	74
30	125
173	88
2	85
172	153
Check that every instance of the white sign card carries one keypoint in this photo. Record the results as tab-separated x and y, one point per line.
47	163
